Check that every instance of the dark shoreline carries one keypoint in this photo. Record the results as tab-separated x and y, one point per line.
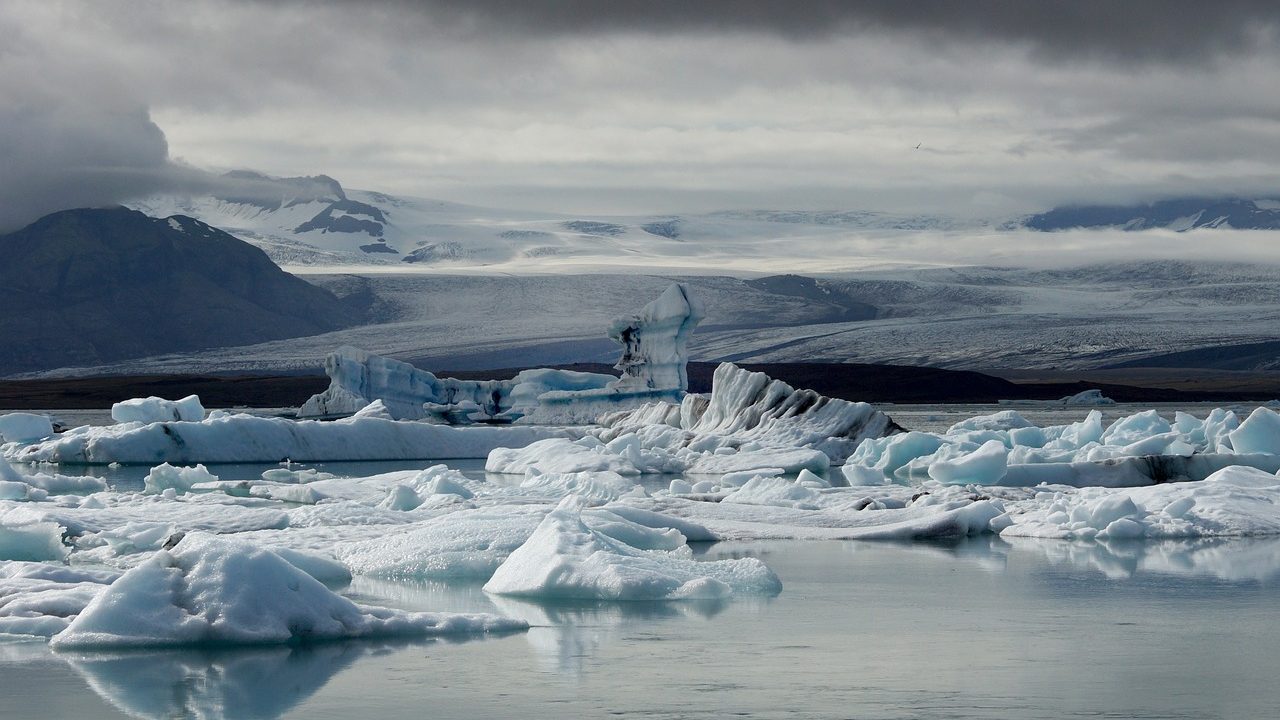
870	383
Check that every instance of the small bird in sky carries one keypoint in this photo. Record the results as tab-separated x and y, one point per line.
918	145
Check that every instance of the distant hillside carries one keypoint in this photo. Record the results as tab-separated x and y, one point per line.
1179	214
90	286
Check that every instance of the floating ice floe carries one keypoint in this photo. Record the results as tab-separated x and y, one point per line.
1082	398
211	591
25	535
564	558
1234	501
1006	449
243	438
748	422
40	599
653	368
39	485
20	427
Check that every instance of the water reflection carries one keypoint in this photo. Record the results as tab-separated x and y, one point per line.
565	635
1225	559
243	683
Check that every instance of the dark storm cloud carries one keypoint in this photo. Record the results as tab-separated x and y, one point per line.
655	107
1161	30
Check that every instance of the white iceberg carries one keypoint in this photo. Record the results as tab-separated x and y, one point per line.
24	427
242	438
564	558
749	422
212	591
1235	501
40	599
653	368
1139	449
155	409
358	379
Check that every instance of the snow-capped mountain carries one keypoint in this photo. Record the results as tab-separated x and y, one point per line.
1176	214
314	221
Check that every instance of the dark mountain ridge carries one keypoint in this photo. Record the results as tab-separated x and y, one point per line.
1174	214
93	285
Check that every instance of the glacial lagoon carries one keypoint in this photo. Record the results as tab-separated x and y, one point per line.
975	628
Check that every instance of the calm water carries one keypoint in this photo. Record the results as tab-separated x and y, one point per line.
976	629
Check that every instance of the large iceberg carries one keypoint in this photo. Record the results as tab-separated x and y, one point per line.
24	427
748	422
232	438
564	558
1006	449
654	358
358	378
211	591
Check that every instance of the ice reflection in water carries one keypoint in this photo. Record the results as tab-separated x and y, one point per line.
982	627
240	683
562	633
1229	560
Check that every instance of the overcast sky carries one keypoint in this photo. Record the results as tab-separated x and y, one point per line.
645	107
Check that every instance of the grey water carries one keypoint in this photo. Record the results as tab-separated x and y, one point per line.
981	628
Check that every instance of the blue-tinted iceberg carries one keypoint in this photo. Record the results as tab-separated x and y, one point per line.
653	363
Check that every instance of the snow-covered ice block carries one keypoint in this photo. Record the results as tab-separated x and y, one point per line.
1002	420
212	591
1259	433
464	544
985	466
775	491
26	536
165	476
154	409
654	342
24	427
564	558
1087	397
1233	501
40	599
